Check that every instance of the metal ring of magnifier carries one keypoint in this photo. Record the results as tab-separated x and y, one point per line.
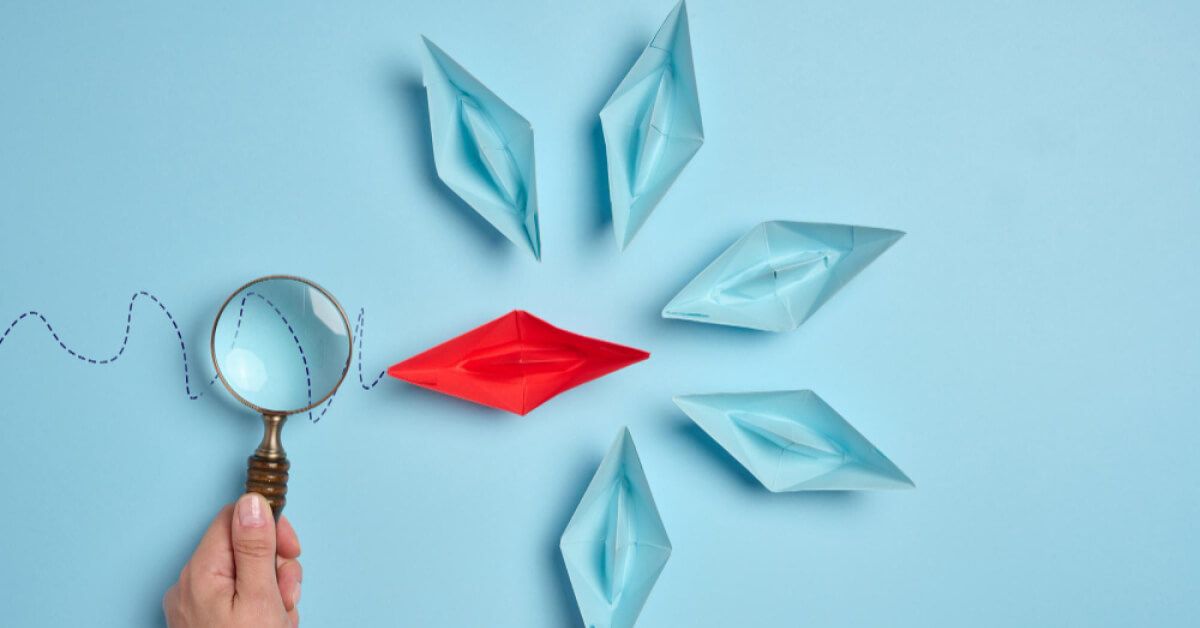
267	469
212	345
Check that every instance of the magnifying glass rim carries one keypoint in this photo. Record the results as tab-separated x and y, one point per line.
212	344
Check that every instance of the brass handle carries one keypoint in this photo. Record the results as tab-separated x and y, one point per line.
267	469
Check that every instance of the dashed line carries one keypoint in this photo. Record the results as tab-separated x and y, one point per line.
303	358
359	328
187	378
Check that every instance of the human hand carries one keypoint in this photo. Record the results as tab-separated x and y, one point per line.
244	573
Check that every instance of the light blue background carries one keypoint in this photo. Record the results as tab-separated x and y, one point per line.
1028	354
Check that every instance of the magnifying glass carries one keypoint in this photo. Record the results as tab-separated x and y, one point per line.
281	345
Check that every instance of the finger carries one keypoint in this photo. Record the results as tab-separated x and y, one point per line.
286	551
294	618
213	556
290	574
287	543
253	542
170	601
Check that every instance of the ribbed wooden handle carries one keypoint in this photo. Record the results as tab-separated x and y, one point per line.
267	470
269	478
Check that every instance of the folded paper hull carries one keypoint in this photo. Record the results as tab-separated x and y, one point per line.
515	363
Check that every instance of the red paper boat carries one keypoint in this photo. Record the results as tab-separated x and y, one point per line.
516	363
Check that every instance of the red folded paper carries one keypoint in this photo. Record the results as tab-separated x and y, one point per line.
515	363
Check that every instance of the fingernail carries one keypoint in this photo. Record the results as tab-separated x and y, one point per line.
296	593
250	511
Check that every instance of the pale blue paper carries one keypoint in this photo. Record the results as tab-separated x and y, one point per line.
483	149
651	126
779	274
615	545
793	441
1020	154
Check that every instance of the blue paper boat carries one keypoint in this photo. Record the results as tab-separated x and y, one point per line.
778	274
615	545
651	126
793	441
482	149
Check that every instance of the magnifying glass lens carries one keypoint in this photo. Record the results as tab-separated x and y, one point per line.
281	345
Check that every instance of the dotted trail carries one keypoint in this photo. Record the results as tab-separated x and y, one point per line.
193	393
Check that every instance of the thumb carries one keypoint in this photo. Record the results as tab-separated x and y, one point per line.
253	540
